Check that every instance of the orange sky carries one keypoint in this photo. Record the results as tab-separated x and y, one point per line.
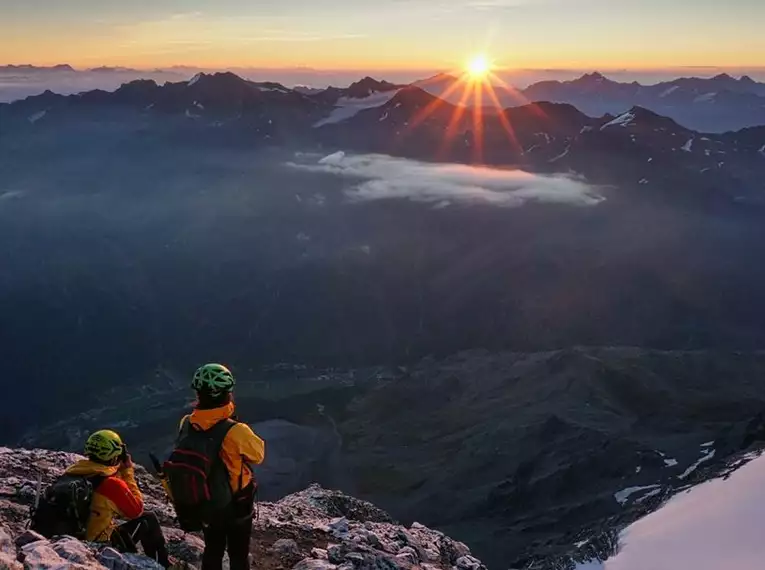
412	34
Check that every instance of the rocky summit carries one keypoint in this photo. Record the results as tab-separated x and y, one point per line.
315	529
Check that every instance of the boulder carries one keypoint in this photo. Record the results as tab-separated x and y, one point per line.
469	563
338	527
73	550
452	550
41	556
336	553
114	560
186	547
28	536
286	547
408	553
314	564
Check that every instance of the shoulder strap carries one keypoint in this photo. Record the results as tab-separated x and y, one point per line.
220	430
184	428
96	480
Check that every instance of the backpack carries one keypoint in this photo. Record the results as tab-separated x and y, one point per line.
64	507
197	477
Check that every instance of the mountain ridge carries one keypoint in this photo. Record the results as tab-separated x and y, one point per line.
313	529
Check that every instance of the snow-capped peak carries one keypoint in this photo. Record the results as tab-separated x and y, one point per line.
194	80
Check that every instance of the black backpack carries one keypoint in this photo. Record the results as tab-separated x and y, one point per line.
64	507
198	479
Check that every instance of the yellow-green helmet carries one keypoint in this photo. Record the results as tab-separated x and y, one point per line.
104	446
213	380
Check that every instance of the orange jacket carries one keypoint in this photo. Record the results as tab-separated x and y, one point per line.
117	495
240	447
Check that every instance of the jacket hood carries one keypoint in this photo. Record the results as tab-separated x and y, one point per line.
205	419
88	467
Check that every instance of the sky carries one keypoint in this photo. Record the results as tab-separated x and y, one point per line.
384	34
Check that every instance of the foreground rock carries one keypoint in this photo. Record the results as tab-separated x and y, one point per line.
314	529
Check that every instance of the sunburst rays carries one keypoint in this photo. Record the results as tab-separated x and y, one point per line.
478	105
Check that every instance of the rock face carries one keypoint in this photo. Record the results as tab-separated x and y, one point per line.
315	529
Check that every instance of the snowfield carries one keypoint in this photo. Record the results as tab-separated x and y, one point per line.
620	121
347	107
717	525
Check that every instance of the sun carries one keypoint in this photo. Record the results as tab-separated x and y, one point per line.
479	67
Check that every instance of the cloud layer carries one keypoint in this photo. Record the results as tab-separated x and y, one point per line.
386	178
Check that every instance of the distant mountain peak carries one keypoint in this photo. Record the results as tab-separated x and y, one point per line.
595	76
29	67
368	86
220	81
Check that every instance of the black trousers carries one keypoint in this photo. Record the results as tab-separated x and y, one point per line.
232	535
146	531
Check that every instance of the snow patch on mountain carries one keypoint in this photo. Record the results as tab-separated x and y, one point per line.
705	98
669	91
194	80
347	107
561	155
715	525
37	116
623	496
278	89
687	146
620	121
707	455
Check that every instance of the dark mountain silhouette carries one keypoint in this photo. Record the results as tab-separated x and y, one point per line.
718	104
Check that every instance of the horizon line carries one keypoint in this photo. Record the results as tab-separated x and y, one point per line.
435	69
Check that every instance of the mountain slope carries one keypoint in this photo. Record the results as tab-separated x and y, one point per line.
717	104
522	456
714	525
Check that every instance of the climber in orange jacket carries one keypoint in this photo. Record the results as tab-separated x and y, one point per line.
240	447
116	494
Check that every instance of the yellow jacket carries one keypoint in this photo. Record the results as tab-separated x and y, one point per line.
240	447
117	495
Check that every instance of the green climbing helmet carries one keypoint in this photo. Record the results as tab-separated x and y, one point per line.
104	446
213	379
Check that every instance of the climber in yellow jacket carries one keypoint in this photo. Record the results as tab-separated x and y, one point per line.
116	495
240	447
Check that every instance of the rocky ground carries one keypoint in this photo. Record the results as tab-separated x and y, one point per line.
315	529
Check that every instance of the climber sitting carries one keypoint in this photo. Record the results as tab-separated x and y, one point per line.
93	492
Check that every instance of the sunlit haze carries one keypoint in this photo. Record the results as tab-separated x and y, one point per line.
416	34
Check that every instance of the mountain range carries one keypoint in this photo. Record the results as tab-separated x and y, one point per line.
398	283
654	152
716	104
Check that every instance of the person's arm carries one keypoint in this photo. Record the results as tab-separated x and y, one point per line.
251	447
122	490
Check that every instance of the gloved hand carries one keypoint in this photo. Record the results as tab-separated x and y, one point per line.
126	461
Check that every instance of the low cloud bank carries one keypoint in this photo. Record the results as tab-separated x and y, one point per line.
387	178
